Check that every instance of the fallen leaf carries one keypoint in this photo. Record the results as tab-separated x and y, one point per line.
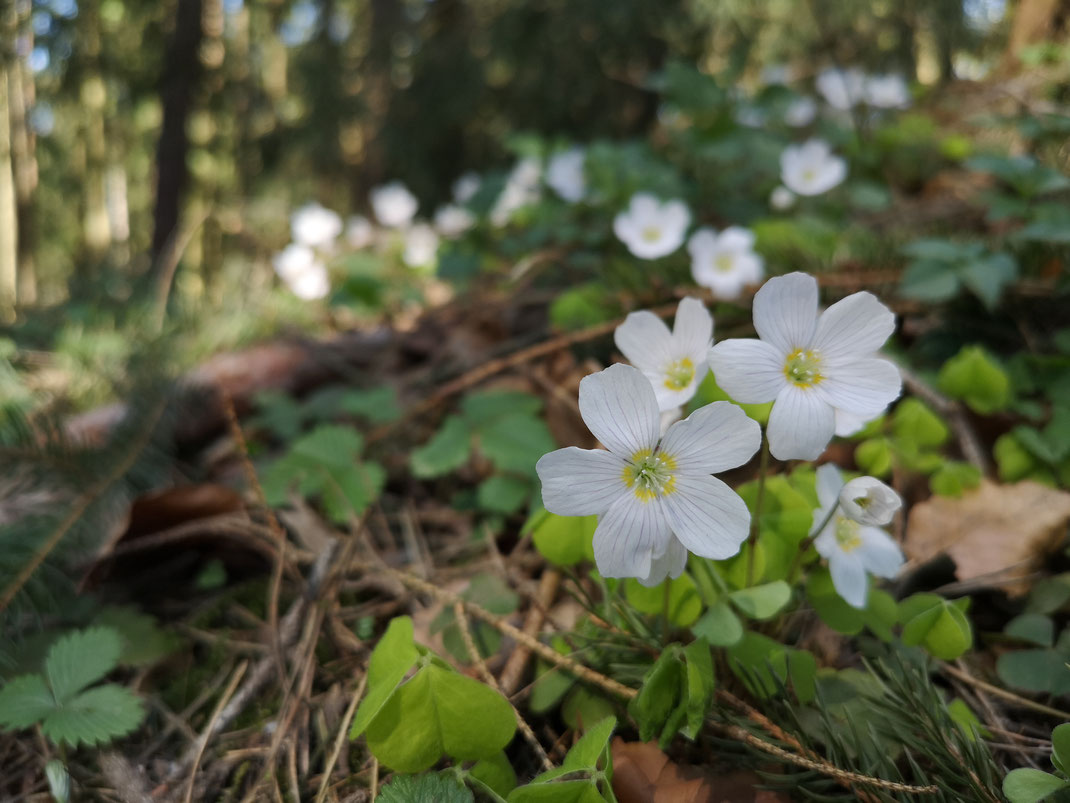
1005	529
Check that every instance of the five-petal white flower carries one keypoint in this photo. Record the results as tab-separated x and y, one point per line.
421	246
393	204
724	262
674	362
851	548
654	497
810	365
650	228
301	270
453	220
869	501
782	198
565	176
811	168
315	226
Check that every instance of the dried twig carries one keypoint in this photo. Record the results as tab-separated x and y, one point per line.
340	739
518	659
213	723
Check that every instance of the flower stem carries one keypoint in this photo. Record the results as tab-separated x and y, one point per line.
752	539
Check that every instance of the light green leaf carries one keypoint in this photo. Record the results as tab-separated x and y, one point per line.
953	478
874	456
936	624
1029	786
564	792
24	701
390	661
497	773
975	378
685	604
700	685
447	450
1060	747
144	641
914	422
563	540
659	695
80	659
764	601
591	750
719	626
433	787
95	716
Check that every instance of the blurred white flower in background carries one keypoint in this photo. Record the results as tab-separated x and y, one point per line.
453	220
393	204
421	246
521	189
750	116
315	226
887	92
359	232
466	186
565	176
782	198
651	228
724	262
800	112
841	89
775	75
811	168
302	271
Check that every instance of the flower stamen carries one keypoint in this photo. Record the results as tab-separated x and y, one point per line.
651	234
679	374
847	534
803	368
650	475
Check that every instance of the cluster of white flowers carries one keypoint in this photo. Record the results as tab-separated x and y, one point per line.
653	490
301	265
810	169
845	89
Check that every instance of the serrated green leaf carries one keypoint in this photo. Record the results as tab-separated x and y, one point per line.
1027	785
376	405
80	659
95	716
144	641
447	450
329	444
390	661
432	787
25	701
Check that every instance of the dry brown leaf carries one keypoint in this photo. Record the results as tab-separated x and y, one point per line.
1004	529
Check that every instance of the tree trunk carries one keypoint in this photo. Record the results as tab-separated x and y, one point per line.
24	164
182	70
8	223
1035	21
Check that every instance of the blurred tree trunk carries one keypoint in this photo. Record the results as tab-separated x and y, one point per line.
8	225
94	98
1035	21
181	73
24	163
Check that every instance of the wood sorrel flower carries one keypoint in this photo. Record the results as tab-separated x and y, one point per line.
869	501
565	174
674	362
811	168
851	548
315	226
654	497
393	204
810	365
650	228
724	262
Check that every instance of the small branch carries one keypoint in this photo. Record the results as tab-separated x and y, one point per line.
340	739
518	658
1006	695
213	722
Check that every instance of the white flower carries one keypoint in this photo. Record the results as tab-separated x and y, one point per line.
724	262
393	204
300	269
800	112
841	89
811	168
465	187
359	232
848	424
421	246
650	228
565	176
782	198
453	220
674	362
521	189
851	548
654	497
887	91
810	365
315	226
775	75
869	501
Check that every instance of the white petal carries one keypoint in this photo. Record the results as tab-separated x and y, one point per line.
676	216
750	371
736	238
879	553
671	564
628	536
707	516
692	331
619	407
878	502
829	485
800	425
848	424
645	341
853	327
863	388
670	417
714	438
702	242
785	311
580	482
669	399
849	579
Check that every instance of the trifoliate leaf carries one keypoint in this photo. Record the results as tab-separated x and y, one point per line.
936	624
432	787
447	450
915	423
95	716
975	378
764	601
515	442
81	658
375	405
144	641
1060	747
1035	670
719	625
954	477
874	456
390	661
24	701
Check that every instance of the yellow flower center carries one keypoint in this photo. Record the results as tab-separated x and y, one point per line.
651	234
809	175
650	475
723	263
678	374
803	367
847	534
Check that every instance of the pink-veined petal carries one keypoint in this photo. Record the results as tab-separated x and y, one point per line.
785	311
580	482
619	407
800	424
628	536
712	439
853	327
750	371
707	516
